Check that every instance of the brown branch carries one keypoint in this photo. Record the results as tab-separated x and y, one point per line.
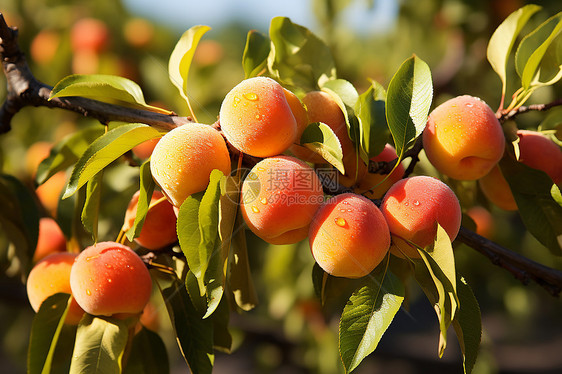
521	267
506	116
23	89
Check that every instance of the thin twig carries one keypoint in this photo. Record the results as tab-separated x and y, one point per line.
504	116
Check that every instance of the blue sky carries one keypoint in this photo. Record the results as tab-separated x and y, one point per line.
186	13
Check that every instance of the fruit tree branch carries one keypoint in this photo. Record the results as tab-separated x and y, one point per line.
503	117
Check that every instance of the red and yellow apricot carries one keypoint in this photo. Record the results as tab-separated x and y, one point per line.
50	240
256	118
49	192
463	138
44	46
144	150
109	278
184	158
349	236
413	207
279	198
536	151
159	227
483	220
374	185
89	34
322	107
49	276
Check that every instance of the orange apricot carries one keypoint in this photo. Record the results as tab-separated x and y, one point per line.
463	138
256	118
44	46
159	227
322	107
51	239
89	34
374	185
138	32
413	207
279	198
144	150
184	158
49	276
109	278
349	236
536	151
483	220
36	153
49	192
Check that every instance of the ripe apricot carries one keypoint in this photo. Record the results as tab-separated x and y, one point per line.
89	34
36	153
349	236
184	158
463	138
371	186
109	278
49	276
322	107
144	150
483	220
413	207
159	227
51	239
279	198
44	46
536	151
49	192
256	118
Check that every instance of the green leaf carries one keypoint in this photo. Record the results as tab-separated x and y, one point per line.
148	354
540	213
408	101
45	331
105	88
241	282
552	120
147	185
65	153
106	149
182	56
533	47
222	339
321	139
99	346
504	37
468	325
254	59
91	210
370	110
194	335
367	315
298	57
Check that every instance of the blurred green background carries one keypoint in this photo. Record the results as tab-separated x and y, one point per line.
289	332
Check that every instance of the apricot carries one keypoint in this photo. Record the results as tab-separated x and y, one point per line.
36	153
138	32
536	151
184	158
413	207
144	150
370	186
159	227
51	239
463	138
49	276
321	107
44	46
109	278
483	220
349	236
89	34
49	192
279	198
256	118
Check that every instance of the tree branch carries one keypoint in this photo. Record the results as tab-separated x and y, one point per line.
503	116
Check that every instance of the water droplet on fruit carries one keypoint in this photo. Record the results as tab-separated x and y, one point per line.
255	209
236	101
340	221
416	203
88	292
257	116
470	105
342	210
108	266
263	200
251	96
109	280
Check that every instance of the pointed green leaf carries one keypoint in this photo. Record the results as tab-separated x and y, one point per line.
468	325
321	139
105	88
409	97
45	332
194	335
370	110
222	339
298	57
241	282
367	315
540	213
148	354
504	37
106	149
147	185
99	345
254	59
91	210
533	47
182	56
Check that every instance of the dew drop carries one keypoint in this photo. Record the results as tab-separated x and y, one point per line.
108	266
470	105
109	280
406	203
340	221
342	210
236	101
88	292
255	209
416	203
263	200
251	96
